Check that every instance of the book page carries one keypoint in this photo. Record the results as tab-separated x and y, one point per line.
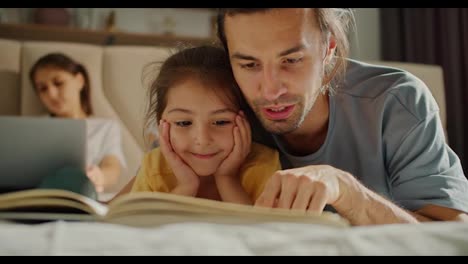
155	206
39	217
53	200
158	218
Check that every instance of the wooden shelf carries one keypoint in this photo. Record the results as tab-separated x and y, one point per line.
97	37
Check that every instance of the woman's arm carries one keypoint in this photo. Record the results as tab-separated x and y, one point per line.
111	168
127	188
106	174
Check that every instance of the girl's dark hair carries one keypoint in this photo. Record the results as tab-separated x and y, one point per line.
207	63
63	62
334	21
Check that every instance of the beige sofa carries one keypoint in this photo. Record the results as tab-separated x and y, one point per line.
116	81
117	88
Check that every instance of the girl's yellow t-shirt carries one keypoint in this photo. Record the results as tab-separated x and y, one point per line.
155	174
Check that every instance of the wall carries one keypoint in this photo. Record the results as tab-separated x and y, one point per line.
184	22
365	42
190	22
197	22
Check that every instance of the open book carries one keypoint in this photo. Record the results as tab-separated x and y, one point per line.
146	209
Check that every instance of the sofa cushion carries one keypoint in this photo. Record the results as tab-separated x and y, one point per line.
9	76
124	85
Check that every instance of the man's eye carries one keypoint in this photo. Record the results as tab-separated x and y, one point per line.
183	123
221	122
293	60
251	65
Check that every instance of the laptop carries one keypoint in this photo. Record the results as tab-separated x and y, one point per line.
32	148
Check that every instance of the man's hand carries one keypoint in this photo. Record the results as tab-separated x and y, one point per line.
307	188
313	187
187	181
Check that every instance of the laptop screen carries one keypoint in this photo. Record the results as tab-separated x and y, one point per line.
31	148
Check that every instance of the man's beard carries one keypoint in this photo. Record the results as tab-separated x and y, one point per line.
283	126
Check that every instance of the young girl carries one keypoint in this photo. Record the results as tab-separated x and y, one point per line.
205	140
63	87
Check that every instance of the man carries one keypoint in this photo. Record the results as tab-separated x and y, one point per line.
366	140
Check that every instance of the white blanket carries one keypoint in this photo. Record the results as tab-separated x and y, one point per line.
80	238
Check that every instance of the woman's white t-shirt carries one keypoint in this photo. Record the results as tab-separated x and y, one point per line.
103	138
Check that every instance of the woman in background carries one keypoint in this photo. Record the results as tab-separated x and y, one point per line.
63	86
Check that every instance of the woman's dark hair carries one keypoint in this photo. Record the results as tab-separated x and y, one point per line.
207	63
63	62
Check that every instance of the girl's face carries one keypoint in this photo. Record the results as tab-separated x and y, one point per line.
59	90
201	125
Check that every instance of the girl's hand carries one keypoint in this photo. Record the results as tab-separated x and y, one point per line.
227	176
187	181
242	141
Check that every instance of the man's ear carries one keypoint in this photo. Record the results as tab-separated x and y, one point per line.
330	48
329	51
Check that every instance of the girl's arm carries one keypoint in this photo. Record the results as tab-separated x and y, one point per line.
127	188
231	190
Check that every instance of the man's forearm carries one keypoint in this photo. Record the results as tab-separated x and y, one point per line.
362	206
433	212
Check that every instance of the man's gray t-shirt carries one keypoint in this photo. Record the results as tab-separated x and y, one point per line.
384	128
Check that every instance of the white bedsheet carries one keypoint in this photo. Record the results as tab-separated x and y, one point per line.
80	238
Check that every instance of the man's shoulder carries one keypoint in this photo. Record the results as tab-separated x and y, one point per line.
368	80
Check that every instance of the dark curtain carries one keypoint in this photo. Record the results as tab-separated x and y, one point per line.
434	36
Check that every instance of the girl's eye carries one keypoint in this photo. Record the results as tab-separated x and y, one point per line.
183	123
221	122
58	83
